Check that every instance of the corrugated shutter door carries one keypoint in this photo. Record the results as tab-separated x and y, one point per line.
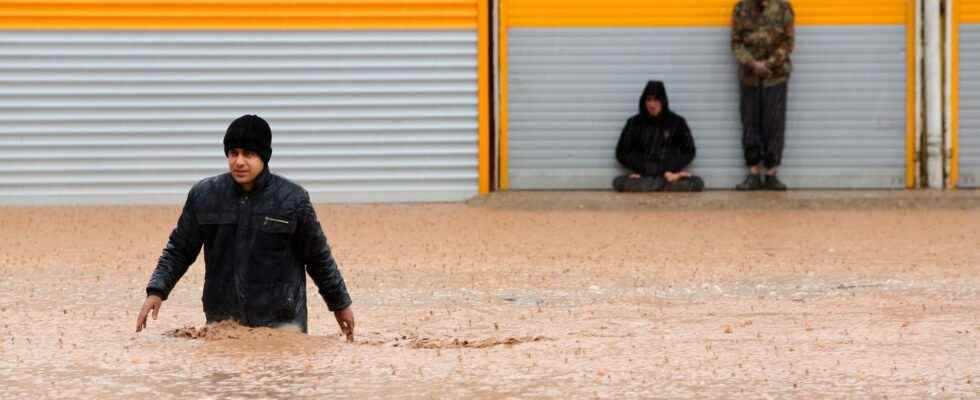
127	101
969	95
139	116
571	90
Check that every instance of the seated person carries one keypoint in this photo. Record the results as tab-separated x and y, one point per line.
656	145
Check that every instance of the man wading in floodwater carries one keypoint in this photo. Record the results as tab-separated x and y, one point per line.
261	237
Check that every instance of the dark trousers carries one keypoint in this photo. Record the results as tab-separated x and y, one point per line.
650	184
763	124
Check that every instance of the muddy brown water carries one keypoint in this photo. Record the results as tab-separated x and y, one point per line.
470	301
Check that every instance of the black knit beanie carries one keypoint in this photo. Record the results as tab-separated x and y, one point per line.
252	133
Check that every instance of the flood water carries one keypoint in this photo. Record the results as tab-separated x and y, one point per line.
462	301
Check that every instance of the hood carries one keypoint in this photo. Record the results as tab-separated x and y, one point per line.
656	90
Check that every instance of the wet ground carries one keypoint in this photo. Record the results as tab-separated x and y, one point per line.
527	295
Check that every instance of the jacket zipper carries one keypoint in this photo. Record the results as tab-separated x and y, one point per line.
268	219
245	210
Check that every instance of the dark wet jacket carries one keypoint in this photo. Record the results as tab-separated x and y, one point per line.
258	248
652	145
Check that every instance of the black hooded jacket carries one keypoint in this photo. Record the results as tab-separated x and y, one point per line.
258	247
651	145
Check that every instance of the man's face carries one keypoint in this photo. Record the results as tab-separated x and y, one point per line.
244	166
654	106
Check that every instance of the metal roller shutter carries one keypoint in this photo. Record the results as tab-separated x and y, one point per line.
570	90
969	95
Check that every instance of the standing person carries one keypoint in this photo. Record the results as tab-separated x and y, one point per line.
656	146
261	237
762	40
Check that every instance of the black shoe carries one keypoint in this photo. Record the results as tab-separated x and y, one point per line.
692	184
773	183
620	183
751	182
643	184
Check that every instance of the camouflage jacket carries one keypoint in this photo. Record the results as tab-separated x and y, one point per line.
764	36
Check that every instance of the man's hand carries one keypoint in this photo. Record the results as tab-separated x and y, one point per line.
152	303
760	68
674	177
345	318
634	176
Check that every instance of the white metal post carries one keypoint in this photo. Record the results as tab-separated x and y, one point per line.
918	92
948	89
934	96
